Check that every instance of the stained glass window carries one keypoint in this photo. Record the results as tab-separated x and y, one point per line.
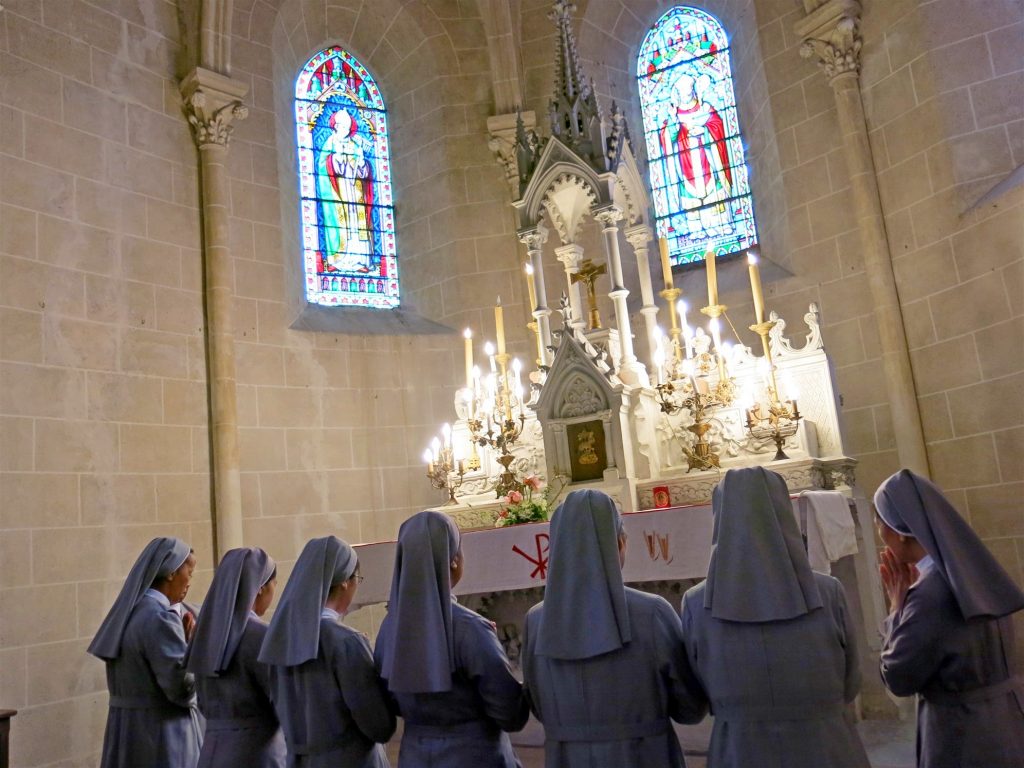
348	220
698	174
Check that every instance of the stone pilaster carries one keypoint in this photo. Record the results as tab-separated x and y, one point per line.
534	240
571	256
638	237
831	34
630	370
212	102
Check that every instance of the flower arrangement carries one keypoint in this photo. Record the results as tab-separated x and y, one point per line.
531	503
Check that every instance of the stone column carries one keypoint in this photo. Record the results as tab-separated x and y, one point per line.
534	240
212	101
830	32
638	237
630	370
571	255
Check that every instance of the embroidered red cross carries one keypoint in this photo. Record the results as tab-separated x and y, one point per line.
541	561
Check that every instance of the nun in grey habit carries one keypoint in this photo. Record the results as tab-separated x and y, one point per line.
153	720
232	685
770	640
604	664
443	665
330	702
950	636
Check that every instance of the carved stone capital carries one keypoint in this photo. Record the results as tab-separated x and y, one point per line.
831	34
609	216
211	102
503	143
639	236
533	239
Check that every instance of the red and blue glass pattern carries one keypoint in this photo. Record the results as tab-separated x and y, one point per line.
345	190
698	173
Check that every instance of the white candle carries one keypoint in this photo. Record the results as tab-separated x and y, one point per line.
716	332
467	336
755	286
712	267
489	351
499	326
435	445
446	430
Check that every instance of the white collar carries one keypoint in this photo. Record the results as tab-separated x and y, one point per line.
330	613
925	564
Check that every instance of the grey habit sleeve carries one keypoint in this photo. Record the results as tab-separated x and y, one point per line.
165	649
487	666
912	648
363	691
687	702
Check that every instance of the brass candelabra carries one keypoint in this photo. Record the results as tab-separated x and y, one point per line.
778	419
492	420
700	455
444	471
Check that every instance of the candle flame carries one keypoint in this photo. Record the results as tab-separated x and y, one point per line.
428	458
467	334
499	302
516	365
529	268
488	349
751	258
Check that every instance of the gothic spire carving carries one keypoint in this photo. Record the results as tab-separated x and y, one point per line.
573	110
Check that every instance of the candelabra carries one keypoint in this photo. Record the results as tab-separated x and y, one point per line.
779	419
444	471
492	420
700	456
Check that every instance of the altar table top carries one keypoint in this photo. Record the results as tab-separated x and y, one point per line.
662	545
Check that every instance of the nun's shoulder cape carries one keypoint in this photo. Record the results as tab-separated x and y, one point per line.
914	506
161	557
240	575
759	570
294	634
418	644
585	612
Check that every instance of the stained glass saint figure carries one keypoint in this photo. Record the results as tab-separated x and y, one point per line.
348	221
698	174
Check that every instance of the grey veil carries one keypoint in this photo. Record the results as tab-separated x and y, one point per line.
161	557
226	609
759	569
294	634
585	612
418	645
913	506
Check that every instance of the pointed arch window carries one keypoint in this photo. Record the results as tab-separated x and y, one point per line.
697	166
348	219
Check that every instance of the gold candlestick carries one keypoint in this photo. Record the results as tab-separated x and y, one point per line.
671	296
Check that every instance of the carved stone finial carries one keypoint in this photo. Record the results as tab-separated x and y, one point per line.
212	102
574	112
831	34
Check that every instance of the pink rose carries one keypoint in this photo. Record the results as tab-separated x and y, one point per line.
515	497
532	481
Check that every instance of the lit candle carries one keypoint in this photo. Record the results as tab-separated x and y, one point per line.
709	261
462	467
687	331
489	351
755	287
517	370
688	340
446	430
666	263
435	445
467	336
531	286
716	332
499	326
428	459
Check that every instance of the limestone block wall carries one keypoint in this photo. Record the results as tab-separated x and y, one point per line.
103	437
945	103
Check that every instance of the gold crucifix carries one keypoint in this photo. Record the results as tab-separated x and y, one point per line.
588	273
